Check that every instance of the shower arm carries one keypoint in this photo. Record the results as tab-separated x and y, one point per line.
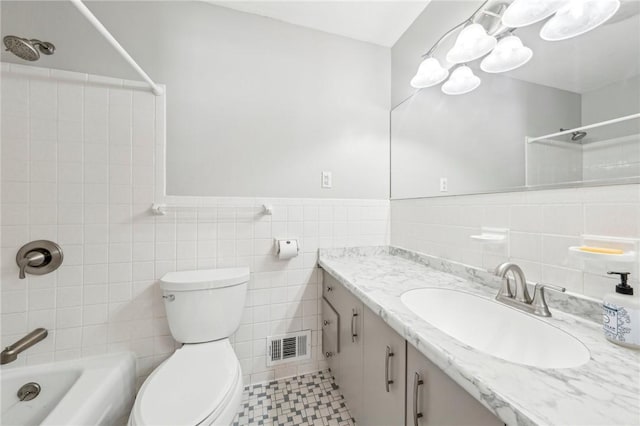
84	10
44	46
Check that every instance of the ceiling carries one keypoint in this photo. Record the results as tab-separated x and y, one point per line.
378	22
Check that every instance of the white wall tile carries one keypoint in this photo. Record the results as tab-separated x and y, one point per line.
543	225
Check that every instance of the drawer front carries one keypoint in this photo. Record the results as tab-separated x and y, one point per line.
330	330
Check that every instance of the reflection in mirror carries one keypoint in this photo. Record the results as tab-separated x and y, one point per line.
515	130
607	151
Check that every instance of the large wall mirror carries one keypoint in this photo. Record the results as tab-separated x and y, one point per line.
570	116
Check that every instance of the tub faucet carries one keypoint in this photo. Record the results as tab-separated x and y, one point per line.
519	298
10	353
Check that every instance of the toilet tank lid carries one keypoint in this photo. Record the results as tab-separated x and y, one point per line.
204	278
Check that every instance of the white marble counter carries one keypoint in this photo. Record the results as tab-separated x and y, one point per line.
605	391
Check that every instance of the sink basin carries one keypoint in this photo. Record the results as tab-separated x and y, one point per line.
496	329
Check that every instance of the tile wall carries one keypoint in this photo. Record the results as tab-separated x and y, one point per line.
543	225
78	168
612	159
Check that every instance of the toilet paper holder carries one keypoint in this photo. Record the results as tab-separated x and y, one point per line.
279	241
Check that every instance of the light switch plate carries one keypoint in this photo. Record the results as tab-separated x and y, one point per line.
444	185
327	180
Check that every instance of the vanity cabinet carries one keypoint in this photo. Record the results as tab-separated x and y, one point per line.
346	364
380	374
434	399
384	373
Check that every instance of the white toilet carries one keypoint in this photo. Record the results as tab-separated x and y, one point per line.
201	383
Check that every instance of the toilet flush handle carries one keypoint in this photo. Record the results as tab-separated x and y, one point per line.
169	297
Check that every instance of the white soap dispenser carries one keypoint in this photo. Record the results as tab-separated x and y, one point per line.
621	314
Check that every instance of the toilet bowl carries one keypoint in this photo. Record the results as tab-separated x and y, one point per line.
201	383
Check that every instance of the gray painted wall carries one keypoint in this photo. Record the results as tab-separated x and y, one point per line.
255	107
612	101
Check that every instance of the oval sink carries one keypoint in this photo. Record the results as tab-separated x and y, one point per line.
496	329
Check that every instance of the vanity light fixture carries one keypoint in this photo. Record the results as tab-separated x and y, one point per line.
462	81
429	74
577	17
472	43
522	13
508	55
490	30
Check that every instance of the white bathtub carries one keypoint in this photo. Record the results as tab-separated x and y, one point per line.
90	391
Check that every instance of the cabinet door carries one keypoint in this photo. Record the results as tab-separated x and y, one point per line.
349	358
434	399
383	374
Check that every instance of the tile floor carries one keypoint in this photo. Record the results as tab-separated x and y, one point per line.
311	399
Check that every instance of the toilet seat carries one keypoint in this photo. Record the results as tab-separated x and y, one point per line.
192	387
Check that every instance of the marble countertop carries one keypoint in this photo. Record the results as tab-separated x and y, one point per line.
604	391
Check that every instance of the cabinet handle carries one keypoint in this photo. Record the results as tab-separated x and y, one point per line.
326	323
353	326
387	357
329	288
417	381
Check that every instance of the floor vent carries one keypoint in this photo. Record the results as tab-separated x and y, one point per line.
288	347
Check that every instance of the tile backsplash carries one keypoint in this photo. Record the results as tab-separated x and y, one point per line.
78	168
542	226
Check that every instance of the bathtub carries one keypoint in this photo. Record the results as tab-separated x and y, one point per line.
89	391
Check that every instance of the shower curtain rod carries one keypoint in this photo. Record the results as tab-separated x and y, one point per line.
157	90
587	127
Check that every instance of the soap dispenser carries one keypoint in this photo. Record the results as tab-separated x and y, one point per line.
621	314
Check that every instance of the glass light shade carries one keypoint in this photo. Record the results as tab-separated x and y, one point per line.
472	43
521	13
508	55
430	73
577	17
462	81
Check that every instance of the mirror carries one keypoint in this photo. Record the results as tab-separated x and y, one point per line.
523	129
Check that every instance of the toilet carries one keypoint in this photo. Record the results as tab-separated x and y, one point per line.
201	383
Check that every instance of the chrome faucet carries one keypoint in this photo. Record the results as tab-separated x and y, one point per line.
519	296
10	353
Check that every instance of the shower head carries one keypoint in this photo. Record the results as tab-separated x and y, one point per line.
576	136
26	49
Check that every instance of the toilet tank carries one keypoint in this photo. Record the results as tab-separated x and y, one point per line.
204	305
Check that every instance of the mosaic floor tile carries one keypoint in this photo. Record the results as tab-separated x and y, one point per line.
312	399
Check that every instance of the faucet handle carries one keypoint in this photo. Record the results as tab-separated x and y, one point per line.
33	258
541	287
539	302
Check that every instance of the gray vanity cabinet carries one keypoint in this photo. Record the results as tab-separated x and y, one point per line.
357	356
434	399
384	373
346	365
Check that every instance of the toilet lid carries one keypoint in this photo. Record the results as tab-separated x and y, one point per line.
189	386
204	279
